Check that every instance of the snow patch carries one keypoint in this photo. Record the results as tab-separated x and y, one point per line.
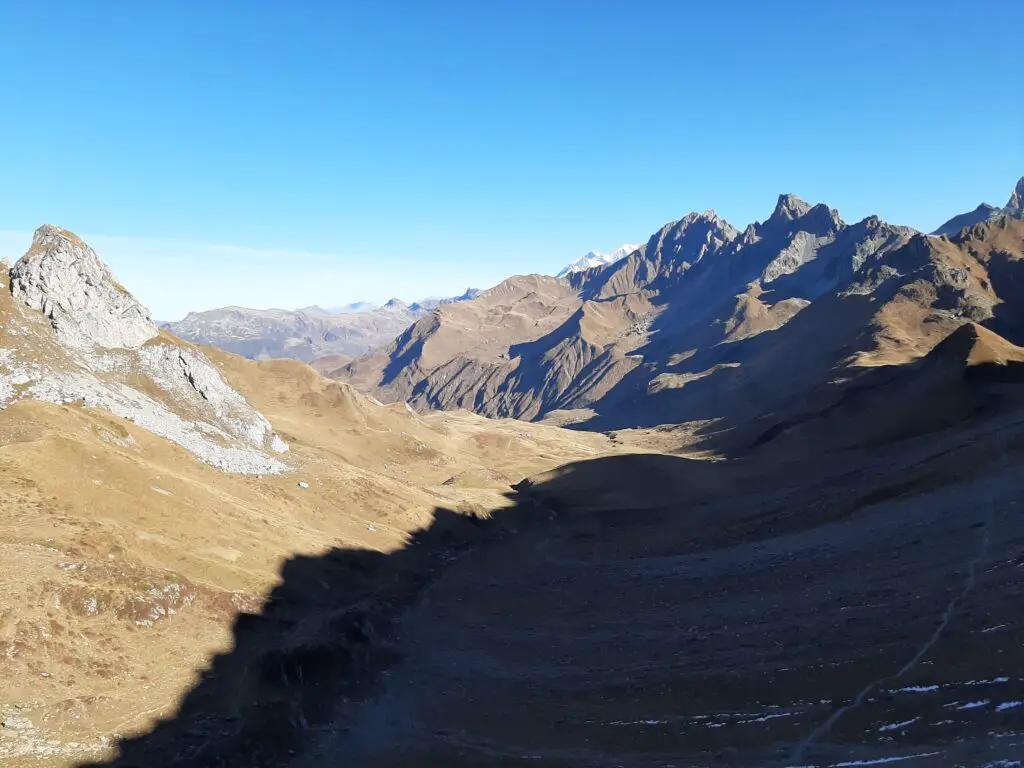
975	704
898	726
883	760
996	628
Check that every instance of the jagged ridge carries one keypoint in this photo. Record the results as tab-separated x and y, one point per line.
693	320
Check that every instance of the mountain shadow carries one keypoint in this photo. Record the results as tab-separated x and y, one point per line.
639	610
322	638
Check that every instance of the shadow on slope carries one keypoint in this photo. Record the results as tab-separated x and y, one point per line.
320	640
783	380
623	605
733	382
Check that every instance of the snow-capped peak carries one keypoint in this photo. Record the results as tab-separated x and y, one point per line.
596	259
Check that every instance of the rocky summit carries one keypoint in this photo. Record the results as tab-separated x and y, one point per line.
71	333
64	279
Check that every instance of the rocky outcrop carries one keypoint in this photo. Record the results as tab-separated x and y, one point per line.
71	334
63	278
1015	205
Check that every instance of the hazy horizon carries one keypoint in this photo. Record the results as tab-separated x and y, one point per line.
328	154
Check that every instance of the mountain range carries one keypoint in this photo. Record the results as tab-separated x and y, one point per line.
305	334
707	324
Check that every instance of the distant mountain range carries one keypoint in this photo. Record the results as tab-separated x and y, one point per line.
307	334
595	259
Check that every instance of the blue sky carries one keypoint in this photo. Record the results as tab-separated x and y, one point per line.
282	154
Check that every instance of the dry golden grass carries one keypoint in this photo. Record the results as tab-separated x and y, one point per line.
123	560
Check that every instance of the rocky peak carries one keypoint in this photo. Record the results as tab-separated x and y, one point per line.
792	214
63	278
395	304
707	224
687	241
789	208
750	235
94	353
1015	205
825	218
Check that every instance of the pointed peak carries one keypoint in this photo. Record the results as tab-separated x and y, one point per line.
48	233
972	344
395	304
51	230
1015	206
708	216
706	220
826	214
790	207
62	277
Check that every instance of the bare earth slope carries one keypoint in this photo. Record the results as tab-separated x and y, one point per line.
843	598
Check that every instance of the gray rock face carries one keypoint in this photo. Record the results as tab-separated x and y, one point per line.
790	207
94	342
1015	206
63	278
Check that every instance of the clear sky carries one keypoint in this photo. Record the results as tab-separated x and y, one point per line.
281	154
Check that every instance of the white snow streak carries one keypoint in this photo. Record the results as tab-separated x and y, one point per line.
897	726
975	704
